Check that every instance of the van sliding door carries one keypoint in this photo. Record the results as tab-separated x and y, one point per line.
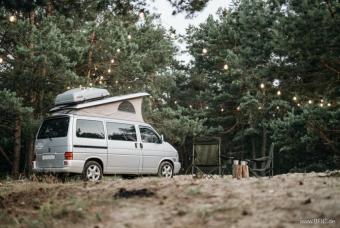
89	140
123	155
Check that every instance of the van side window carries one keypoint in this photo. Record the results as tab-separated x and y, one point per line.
126	106
90	129
149	136
120	131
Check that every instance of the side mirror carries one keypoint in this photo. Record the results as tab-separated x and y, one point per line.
162	137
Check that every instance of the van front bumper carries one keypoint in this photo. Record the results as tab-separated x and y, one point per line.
70	166
177	167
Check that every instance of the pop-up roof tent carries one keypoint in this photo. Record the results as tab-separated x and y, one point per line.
95	102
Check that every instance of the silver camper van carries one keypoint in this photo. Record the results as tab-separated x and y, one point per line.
92	134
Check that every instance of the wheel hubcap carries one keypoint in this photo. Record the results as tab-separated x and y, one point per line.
167	171
93	173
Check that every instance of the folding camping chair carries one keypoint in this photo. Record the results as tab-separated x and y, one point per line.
267	168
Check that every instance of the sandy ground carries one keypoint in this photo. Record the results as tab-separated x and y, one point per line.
282	201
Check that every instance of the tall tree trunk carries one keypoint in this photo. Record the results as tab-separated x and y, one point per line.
89	57
253	151
264	142
17	147
30	151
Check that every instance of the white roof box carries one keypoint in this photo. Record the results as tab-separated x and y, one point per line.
79	95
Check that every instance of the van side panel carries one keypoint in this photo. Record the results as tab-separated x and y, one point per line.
85	147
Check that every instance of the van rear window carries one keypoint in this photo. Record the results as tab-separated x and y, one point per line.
54	128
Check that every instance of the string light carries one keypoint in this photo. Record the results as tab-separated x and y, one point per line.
173	35
321	104
80	86
112	61
175	102
129	37
262	86
1	60
310	102
321	100
118	50
225	67
238	108
206	107
260	108
116	82
277	107
329	104
109	70
90	84
222	109
100	82
68	87
204	51
101	77
129	87
299	104
95	68
278	93
294	98
12	18
190	106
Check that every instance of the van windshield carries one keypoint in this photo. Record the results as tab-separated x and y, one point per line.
54	128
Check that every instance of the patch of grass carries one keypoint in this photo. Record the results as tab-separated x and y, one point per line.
194	190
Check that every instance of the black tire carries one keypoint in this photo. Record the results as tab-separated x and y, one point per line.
166	170
93	171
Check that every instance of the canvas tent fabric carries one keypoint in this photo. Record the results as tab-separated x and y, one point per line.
107	108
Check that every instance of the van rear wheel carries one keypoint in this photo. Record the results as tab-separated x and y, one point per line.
92	171
166	170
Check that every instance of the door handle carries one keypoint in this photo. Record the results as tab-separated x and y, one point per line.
141	145
136	145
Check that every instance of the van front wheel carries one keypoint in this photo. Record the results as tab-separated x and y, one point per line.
92	171
166	170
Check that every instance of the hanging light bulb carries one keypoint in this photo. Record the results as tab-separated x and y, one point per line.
329	104
238	108
225	67
12	18
262	86
204	51
100	82
129	87
222	109
294	98
260	108
321	104
1	60
129	37
321	100
190	106
109	70
277	107
101	77
278	93
116	81
310	102
299	104
118	50
207	107
175	102
112	61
